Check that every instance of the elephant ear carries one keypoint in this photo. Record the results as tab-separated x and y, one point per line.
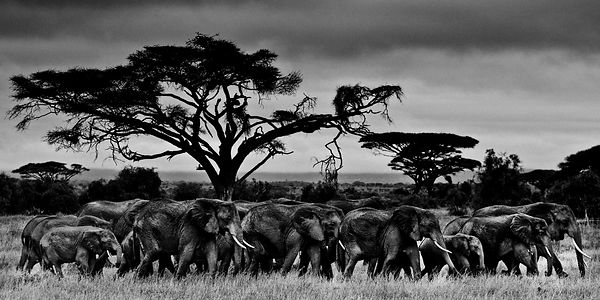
203	215
308	223
408	222
521	227
91	241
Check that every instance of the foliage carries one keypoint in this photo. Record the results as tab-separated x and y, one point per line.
581	192
34	196
588	159
199	98
423	157
320	193
499	180
542	179
50	171
190	190
255	191
459	198
131	182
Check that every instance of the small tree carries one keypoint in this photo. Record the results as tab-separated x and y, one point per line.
203	99
499	180
50	171
131	182
424	157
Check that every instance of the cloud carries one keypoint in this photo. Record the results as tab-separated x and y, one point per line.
332	28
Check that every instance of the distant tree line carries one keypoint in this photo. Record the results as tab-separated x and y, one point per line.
499	180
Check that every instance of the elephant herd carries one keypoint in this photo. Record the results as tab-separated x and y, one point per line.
230	237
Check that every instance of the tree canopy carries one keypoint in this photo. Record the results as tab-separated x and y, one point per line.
50	171
499	179
588	159
197	98
423	157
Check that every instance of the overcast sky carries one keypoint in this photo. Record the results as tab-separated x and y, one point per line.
520	76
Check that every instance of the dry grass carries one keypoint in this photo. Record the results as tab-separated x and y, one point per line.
17	285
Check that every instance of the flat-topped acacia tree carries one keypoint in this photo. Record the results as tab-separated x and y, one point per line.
196	98
425	156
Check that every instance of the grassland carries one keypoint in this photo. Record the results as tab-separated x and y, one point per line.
17	285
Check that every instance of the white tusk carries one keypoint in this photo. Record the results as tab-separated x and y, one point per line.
548	251
238	242
585	264
341	245
579	250
442	248
248	244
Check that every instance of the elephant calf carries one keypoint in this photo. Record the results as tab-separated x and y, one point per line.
77	244
467	254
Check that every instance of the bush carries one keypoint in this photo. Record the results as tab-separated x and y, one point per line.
580	192
130	183
191	190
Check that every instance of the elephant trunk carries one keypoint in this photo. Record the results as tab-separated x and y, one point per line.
438	240
575	233
236	233
115	247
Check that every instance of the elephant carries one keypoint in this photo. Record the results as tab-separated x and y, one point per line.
280	232
508	238
185	229
79	244
32	235
348	205
390	238
25	239
123	230
560	219
107	210
467	254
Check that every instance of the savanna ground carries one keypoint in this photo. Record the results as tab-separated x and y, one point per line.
17	285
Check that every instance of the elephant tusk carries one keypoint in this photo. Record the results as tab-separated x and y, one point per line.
238	242
341	245
579	250
548	251
442	248
248	244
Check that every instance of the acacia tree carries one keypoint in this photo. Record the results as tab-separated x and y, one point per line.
198	98
50	171
423	157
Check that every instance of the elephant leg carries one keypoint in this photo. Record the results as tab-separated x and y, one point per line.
100	263
371	269
186	255
165	262
314	252
410	261
352	260
304	261
30	263
211	257
124	267
145	267
379	262
58	270
23	259
289	259
326	261
556	263
225	263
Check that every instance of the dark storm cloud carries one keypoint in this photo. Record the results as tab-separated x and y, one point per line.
335	28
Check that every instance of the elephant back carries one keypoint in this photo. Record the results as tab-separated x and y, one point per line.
454	226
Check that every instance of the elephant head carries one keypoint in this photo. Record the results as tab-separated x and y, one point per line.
102	240
561	221
418	223
93	221
308	224
467	250
530	230
216	216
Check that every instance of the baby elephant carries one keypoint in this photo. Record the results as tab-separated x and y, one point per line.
467	254
78	244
